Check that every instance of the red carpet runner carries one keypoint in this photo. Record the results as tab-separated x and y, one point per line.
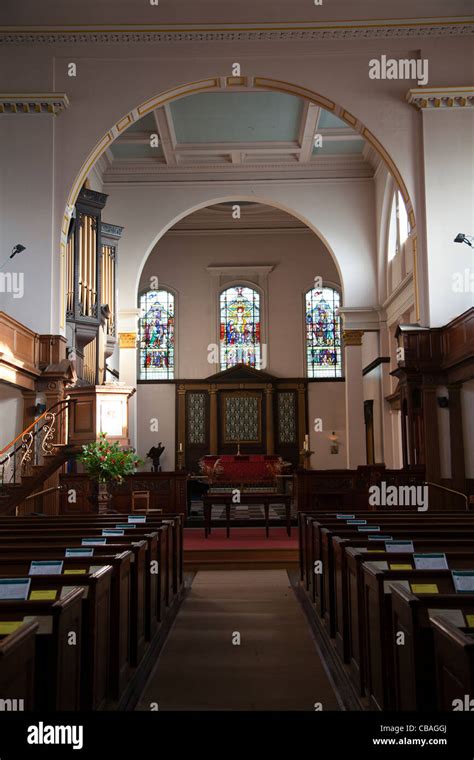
240	538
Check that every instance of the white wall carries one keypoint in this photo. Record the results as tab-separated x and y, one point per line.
156	402
26	216
448	137
180	261
11	413
326	402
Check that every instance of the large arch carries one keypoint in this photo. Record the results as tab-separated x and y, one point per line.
237	198
232	83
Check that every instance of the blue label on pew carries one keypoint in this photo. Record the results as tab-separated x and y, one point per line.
112	532
136	519
430	562
15	588
405	547
79	552
368	528
46	567
128	526
93	541
463	581
380	538
345	517
357	522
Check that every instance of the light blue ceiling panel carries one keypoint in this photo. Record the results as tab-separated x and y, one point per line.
238	117
327	120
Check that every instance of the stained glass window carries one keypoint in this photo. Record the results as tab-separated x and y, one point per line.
323	333
156	335
240	327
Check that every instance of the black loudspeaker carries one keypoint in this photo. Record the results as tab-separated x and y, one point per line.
443	402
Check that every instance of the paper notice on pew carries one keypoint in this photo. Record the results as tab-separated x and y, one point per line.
93	541
14	588
128	526
46	567
470	621
463	581
404	547
430	561
345	517
9	626
75	571
368	528
136	519
424	588
380	538
79	552
43	595
455	617
112	532
357	522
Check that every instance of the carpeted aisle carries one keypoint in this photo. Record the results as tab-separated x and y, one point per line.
275	667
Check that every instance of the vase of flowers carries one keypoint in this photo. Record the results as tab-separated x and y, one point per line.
106	464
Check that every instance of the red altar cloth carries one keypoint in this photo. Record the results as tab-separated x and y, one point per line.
243	468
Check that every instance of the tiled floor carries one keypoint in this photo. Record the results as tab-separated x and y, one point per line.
276	666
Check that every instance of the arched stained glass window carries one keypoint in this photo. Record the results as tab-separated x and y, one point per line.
156	335
240	327
323	333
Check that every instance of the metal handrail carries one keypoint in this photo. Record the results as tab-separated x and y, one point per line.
450	490
42	493
30	427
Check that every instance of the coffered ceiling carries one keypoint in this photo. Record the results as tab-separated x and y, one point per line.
237	132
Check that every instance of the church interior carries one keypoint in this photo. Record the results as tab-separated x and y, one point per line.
236	356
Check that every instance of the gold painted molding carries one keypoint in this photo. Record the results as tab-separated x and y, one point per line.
34	103
352	337
127	340
424	98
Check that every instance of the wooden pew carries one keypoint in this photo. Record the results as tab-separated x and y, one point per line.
454	657
137	598
349	600
379	641
121	590
170	571
57	665
17	665
407	531
414	671
96	623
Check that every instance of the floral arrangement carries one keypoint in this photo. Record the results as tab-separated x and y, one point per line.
105	462
211	470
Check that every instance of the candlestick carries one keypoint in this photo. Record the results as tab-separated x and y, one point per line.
180	448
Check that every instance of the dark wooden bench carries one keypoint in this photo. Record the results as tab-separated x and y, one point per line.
17	665
414	668
57	664
454	657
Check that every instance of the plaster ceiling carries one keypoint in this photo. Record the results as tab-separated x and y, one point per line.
240	132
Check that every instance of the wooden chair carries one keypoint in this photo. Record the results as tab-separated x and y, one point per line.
141	502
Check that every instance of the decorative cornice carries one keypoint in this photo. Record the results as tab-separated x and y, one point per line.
304	32
442	97
28	103
352	337
112	230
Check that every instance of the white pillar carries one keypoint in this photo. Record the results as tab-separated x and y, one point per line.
128	335
355	426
